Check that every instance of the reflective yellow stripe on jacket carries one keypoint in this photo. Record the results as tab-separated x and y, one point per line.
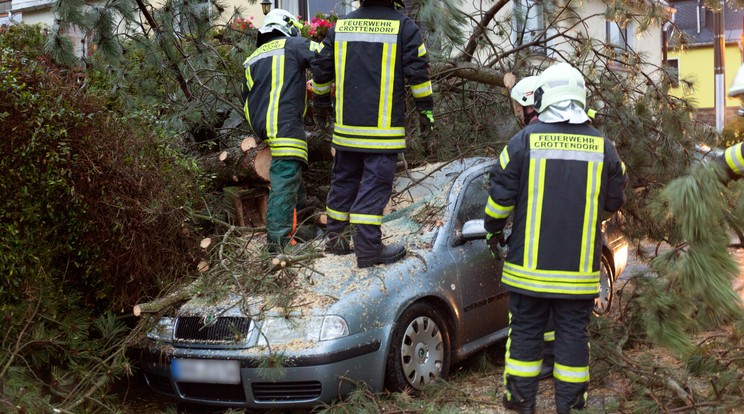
551	281
288	147
734	158
496	210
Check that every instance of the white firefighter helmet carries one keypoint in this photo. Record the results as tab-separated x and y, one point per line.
737	88
560	82
281	20
523	92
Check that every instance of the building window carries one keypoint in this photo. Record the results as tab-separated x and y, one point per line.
296	7
529	24
617	36
340	7
308	9
672	67
5	6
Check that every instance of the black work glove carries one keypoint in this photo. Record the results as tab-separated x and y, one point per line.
426	121
497	245
426	124
322	116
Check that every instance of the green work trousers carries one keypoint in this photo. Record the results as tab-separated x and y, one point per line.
287	194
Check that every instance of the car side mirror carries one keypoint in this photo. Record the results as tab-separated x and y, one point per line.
472	230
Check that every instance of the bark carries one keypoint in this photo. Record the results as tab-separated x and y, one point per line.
468	71
160	304
234	166
480	29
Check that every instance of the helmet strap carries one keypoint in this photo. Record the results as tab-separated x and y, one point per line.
528	116
538	94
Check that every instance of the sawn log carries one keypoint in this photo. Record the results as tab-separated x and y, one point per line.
236	166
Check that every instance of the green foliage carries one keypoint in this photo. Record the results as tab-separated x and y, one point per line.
694	290
442	22
733	132
26	40
96	196
95	204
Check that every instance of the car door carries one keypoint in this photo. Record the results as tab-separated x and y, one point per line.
483	300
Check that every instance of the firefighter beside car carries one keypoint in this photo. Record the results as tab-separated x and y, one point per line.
369	54
274	105
558	177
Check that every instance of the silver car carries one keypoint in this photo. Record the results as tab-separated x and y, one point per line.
396	326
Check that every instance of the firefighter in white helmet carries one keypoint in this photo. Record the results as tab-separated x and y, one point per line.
558	176
523	99
274	92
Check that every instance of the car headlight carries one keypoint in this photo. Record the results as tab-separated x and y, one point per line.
163	330
277	331
333	327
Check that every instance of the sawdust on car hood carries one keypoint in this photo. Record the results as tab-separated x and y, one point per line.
413	217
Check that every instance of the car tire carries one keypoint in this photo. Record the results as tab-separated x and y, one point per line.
603	303
419	349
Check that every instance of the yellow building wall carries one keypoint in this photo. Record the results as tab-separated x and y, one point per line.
696	65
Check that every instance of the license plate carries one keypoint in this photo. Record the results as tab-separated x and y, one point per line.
206	370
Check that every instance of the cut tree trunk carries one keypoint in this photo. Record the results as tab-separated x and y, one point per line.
237	166
161	304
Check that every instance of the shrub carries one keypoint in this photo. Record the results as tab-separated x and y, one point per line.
94	198
93	217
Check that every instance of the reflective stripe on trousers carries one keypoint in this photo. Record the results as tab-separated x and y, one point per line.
528	318
361	184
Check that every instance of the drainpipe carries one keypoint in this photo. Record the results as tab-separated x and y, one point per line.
719	63
665	42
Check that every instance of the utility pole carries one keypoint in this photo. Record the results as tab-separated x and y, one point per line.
719	49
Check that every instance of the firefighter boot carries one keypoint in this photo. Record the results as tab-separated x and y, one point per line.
515	401
388	254
578	403
519	405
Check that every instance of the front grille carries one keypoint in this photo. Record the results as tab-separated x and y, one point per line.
159	383
223	329
286	391
213	392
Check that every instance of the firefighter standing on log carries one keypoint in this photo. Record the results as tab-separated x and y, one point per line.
560	177
274	94
368	54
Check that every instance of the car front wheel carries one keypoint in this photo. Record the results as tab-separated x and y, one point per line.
420	349
603	302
